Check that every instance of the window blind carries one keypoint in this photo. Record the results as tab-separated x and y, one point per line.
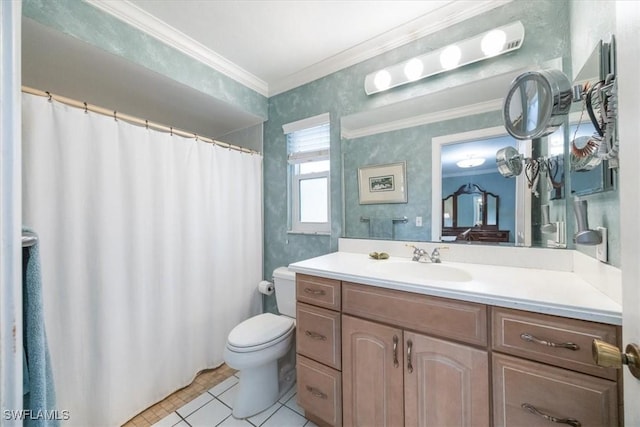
310	143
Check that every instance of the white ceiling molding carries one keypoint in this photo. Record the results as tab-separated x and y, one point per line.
143	21
420	27
422	119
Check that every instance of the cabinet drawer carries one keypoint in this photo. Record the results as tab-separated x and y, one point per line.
319	390
318	334
452	319
521	384
318	291
555	340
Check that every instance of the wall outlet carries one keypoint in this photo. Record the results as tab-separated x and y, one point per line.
418	221
601	249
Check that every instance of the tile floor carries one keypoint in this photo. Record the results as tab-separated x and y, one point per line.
208	401
213	408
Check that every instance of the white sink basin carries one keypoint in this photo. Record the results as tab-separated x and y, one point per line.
418	271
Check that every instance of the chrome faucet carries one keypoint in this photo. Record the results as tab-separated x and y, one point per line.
419	254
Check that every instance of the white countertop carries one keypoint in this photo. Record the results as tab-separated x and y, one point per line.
560	293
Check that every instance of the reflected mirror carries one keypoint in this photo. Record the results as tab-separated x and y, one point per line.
589	174
478	204
471	214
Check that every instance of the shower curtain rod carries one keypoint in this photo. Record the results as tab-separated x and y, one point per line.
132	119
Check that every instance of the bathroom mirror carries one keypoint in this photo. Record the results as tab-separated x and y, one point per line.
589	174
537	103
403	126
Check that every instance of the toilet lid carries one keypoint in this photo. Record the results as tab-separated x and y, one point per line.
260	329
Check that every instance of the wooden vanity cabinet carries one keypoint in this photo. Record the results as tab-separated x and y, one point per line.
393	376
318	349
546	370
371	356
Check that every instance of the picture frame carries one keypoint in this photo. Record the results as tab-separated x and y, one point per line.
385	183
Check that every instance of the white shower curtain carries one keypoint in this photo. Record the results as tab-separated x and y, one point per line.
151	250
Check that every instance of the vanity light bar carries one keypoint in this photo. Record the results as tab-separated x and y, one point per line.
486	45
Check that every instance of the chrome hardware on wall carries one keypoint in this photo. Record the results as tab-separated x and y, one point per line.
568	345
315	336
609	356
314	291
570	421
409	365
395	351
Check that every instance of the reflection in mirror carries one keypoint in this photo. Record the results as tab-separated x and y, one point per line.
478	203
589	174
471	214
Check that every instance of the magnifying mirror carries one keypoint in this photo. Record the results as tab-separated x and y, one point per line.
509	162
537	103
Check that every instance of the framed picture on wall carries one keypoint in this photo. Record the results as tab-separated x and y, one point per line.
383	183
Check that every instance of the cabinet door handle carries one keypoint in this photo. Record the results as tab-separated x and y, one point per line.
314	291
409	365
568	345
570	421
395	351
315	336
315	392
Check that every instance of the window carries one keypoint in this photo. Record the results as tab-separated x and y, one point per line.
309	181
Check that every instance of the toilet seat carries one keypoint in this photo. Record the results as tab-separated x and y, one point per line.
258	332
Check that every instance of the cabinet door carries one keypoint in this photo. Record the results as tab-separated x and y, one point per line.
445	384
371	374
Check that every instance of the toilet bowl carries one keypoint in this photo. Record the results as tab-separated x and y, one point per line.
258	345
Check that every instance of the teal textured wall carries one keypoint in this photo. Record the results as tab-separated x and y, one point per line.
85	22
342	93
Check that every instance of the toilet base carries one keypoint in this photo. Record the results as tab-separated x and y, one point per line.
257	390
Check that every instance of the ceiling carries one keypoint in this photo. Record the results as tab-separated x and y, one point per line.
268	45
276	45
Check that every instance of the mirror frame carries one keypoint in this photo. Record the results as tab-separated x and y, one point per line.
522	235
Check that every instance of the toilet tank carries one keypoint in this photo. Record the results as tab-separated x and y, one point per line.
284	281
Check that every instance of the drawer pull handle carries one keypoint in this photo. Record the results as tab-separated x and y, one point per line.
314	291
409	365
568	345
570	421
395	351
315	336
315	392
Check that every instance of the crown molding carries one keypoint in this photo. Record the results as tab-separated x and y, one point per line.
147	23
422	119
422	26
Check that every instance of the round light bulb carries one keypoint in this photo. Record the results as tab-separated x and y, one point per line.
413	69
493	42
450	57
382	80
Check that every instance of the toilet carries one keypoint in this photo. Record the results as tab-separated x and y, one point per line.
262	349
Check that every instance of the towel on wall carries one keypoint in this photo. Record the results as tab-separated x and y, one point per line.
40	398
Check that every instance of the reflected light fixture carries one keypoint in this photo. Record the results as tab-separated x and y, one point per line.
470	162
482	46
